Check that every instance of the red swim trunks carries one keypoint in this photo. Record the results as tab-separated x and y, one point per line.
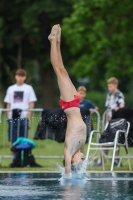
74	103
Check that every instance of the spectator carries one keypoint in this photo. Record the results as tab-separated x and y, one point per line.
114	99
75	136
18	97
85	103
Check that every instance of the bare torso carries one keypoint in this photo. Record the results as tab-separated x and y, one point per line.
76	130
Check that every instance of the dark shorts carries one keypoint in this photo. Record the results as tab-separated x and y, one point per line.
17	128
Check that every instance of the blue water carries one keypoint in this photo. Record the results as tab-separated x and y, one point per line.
40	186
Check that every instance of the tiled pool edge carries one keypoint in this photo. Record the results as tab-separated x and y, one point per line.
54	172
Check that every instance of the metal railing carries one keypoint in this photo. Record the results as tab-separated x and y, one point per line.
44	148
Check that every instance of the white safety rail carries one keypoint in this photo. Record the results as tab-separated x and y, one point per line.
104	119
45	148
95	116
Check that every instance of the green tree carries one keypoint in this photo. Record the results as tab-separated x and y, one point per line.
24	29
100	35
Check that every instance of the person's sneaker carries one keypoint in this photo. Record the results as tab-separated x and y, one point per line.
116	163
98	162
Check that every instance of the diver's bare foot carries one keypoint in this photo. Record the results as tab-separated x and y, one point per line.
54	32
59	33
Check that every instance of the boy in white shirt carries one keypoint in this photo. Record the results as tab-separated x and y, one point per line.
114	99
19	97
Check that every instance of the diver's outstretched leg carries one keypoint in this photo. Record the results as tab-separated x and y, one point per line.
67	89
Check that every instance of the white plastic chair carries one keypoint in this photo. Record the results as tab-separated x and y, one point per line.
109	145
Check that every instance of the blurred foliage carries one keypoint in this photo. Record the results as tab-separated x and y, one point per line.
24	29
96	44
98	98
100	34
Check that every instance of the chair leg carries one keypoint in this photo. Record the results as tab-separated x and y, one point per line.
0	161
102	155
129	161
88	152
127	150
113	158
89	145
119	163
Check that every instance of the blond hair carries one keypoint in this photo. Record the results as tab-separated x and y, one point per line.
112	80
81	88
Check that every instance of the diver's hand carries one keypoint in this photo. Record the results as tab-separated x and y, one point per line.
68	176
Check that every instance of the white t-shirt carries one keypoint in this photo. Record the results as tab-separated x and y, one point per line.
19	97
113	101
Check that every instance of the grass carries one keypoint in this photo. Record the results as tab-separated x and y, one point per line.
46	147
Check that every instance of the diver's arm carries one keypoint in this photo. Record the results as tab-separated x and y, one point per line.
67	158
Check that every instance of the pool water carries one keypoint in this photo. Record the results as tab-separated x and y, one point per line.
40	186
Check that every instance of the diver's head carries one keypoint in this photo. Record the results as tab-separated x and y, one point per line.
78	157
